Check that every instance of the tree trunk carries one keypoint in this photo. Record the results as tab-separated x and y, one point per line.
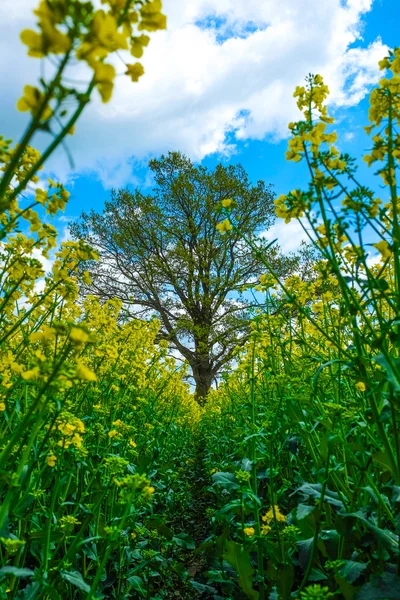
203	376
203	386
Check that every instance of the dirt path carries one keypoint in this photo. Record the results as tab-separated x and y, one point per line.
197	525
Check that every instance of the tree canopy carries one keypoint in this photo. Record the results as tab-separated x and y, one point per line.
163	255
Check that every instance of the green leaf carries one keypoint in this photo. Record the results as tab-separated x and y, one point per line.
226	480
305	547
31	591
184	540
383	460
76	579
303	510
17	572
246	465
347	590
387	537
239	559
317	575
391	375
201	588
385	587
137	584
274	594
351	570
234	506
396	494
314	490
322	367
284	580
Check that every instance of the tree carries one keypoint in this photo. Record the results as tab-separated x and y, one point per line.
163	255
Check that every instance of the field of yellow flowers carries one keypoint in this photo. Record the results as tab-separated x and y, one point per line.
114	482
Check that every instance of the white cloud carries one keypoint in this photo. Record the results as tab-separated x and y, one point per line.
202	83
349	135
289	236
47	263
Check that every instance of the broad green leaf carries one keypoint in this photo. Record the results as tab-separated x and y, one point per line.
284	580
239	559
396	494
305	547
234	506
201	588
31	591
314	490
387	537
383	460
392	375
317	575
303	510
76	579
346	588
137	584
351	570
17	572
246	465
385	587
226	480
184	540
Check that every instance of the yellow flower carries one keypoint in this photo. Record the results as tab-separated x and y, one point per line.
132	443
77	440
50	41
51	460
82	372
152	18
384	64
12	545
34	41
31	374
64	443
265	529
78	335
112	433
361	386
137	44
105	30
66	428
135	71
2	407
270	516
224	226
227	203
384	249
104	75
68	521
149	490
249	531
31	101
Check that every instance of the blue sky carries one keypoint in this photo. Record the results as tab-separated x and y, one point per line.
218	86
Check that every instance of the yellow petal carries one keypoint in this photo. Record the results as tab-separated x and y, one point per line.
135	71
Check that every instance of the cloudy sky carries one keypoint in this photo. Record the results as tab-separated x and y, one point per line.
218	86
